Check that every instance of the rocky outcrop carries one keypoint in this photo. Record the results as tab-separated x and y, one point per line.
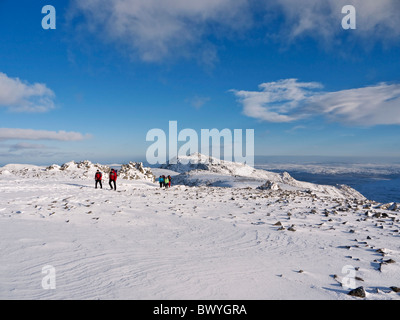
135	171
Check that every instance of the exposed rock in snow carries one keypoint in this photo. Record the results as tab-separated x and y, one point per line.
135	171
79	170
390	206
358	292
21	170
269	185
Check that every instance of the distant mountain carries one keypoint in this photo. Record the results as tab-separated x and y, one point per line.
197	169
78	170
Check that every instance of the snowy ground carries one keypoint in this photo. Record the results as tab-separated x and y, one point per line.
143	242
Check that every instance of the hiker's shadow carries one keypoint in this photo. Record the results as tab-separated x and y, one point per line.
77	185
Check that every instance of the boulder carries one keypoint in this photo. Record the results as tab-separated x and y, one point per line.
358	292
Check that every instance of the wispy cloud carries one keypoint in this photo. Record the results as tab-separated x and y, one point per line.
155	30
20	96
277	101
29	134
27	146
290	100
197	101
295	129
376	20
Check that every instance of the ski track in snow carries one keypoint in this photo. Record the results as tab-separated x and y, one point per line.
143	242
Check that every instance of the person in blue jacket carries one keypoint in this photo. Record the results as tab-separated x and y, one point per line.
161	181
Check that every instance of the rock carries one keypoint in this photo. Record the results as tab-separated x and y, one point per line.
390	206
278	223
381	251
269	185
395	289
358	292
135	171
377	215
292	228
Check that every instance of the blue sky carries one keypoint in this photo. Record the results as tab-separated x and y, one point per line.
113	70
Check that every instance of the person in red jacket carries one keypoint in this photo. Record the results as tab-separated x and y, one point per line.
98	176
113	179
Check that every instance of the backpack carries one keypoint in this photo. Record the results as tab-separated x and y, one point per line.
98	176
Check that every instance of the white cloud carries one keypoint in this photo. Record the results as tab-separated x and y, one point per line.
276	101
372	105
156	30
29	134
290	100
375	20
21	96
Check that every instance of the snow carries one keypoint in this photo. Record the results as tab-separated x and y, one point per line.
214	237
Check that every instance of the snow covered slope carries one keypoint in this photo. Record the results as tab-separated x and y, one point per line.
267	236
199	170
143	242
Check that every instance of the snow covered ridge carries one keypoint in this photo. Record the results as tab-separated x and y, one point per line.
192	170
200	170
198	161
77	170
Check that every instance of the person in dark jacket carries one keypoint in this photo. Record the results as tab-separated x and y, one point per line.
113	179
97	177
